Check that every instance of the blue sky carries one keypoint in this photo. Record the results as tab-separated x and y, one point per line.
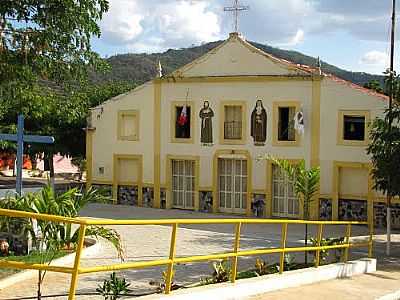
352	34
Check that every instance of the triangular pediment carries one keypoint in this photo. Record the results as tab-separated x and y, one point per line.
236	57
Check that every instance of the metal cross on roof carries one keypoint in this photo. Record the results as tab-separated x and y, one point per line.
236	8
20	138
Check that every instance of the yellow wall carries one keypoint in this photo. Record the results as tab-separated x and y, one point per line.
352	182
105	139
320	101
216	93
237	57
335	97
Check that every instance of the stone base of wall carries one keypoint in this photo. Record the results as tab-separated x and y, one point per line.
127	195
380	215
258	202
104	189
206	201
349	210
163	198
352	210
148	197
356	210
64	187
325	209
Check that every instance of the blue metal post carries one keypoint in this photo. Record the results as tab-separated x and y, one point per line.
20	153
20	138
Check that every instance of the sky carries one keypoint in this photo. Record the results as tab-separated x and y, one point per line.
351	34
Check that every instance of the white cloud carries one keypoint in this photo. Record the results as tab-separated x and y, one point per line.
374	62
144	26
375	58
186	21
298	38
276	21
122	23
156	25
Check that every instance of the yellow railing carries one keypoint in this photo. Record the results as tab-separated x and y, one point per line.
76	270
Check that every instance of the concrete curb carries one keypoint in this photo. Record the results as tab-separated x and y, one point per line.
62	261
245	288
391	296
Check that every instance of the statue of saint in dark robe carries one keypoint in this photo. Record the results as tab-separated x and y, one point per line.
259	124
206	115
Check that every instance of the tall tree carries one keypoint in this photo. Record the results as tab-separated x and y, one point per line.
62	116
384	149
374	85
45	54
48	39
384	139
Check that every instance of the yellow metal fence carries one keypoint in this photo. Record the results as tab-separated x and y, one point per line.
77	270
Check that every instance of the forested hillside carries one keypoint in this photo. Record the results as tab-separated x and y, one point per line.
142	67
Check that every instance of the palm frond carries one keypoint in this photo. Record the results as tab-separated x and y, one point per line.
306	181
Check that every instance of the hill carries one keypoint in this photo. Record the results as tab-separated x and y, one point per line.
142	67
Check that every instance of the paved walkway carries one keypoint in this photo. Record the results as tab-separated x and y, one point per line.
152	242
363	287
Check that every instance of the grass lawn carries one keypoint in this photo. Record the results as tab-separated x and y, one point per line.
33	257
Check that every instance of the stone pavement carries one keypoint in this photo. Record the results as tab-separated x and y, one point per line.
152	242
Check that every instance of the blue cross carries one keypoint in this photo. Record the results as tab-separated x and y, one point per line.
20	138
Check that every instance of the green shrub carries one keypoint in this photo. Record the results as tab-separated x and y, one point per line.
221	273
289	262
57	235
324	254
261	267
114	288
163	283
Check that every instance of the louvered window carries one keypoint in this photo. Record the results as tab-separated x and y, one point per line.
183	183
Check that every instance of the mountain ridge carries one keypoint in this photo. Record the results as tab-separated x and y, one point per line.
142	67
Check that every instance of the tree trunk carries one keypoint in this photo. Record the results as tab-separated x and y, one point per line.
306	217
34	162
388	226
39	292
15	168
305	245
49	166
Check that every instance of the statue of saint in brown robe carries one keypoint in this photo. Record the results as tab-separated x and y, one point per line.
259	124
206	115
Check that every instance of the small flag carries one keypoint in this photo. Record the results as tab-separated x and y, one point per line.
299	122
159	69
183	119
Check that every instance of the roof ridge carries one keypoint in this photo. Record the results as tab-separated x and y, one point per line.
311	69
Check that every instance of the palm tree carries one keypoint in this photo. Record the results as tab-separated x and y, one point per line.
306	185
53	237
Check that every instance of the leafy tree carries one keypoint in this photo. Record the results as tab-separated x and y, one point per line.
306	185
62	116
48	40
384	149
46	55
374	85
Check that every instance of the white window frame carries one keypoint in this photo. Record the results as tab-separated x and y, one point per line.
234	190
184	179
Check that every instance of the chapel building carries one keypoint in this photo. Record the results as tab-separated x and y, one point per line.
192	139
